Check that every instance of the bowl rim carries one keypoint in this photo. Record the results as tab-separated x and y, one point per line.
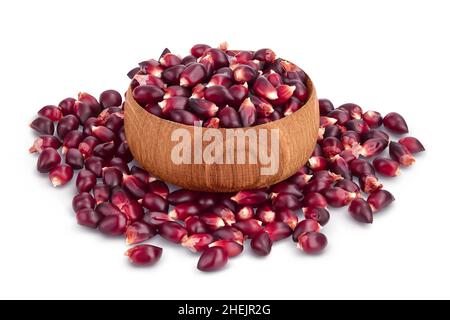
309	85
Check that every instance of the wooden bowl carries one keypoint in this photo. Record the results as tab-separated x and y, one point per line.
149	139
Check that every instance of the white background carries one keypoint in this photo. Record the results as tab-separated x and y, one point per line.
385	55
